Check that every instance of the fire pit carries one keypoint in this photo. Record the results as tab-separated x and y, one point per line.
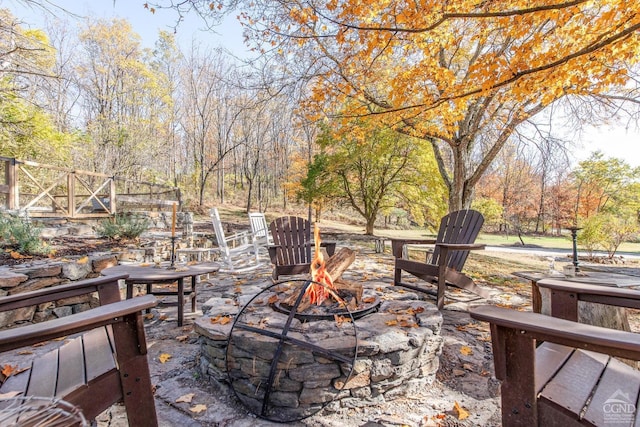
284	367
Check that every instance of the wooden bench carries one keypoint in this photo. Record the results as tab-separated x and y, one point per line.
557	372
104	364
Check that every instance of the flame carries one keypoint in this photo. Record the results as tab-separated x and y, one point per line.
317	293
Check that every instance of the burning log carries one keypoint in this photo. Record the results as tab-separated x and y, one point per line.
339	262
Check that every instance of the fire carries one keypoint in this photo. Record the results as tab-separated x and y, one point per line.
317	293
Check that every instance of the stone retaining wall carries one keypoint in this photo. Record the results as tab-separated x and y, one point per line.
38	275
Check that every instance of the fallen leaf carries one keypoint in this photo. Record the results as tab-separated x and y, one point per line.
83	260
8	370
223	320
391	323
273	299
198	408
341	319
148	316
25	352
466	350
187	398
164	357
462	413
182	338
17	255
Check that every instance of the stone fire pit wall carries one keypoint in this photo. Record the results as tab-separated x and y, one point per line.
398	351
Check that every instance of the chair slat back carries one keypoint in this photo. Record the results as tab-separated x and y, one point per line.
219	230
461	226
293	235
260	228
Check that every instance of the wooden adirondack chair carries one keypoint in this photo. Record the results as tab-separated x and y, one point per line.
105	364
555	372
291	251
260	229
238	252
456	237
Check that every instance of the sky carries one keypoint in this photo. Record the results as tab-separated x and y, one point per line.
144	22
613	141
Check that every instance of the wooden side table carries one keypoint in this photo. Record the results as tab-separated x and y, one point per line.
140	274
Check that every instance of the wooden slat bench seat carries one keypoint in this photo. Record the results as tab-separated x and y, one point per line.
103	363
557	372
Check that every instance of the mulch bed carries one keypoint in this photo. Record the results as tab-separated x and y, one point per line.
62	247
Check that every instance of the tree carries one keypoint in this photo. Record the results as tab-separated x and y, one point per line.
462	76
121	101
599	182
212	106
26	131
372	167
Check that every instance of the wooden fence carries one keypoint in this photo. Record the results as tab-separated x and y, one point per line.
48	191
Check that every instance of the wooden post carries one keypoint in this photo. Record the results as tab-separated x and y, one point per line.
11	176
71	194
112	196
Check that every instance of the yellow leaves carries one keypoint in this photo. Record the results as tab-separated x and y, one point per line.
198	408
466	350
83	260
164	357
187	398
460	411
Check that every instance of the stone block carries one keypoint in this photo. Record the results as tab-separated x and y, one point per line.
9	279
34	272
62	311
100	263
25	314
76	270
35	284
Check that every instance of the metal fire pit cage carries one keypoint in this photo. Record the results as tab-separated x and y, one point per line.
285	369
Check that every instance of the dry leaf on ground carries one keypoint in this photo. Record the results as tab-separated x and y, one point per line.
164	357
187	398
198	408
463	414
466	350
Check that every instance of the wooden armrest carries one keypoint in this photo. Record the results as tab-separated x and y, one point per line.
413	241
239	235
106	286
546	328
584	290
23	336
398	244
565	296
461	246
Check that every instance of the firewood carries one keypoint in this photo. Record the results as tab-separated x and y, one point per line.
339	262
351	288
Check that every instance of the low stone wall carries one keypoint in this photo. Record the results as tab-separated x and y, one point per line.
38	275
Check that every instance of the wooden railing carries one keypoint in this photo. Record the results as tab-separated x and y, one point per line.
49	191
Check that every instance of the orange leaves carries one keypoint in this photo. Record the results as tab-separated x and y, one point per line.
8	370
222	320
164	357
18	255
